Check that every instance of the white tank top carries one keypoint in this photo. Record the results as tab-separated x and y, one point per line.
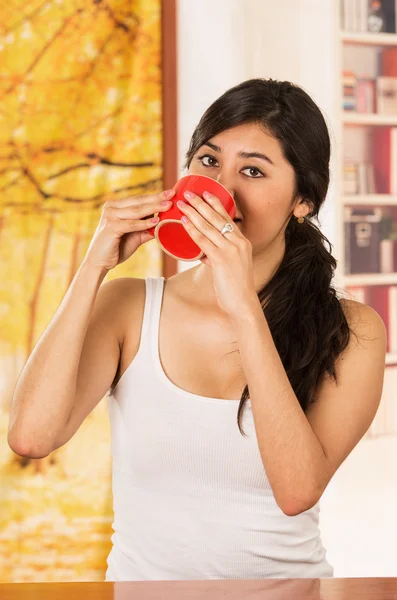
190	494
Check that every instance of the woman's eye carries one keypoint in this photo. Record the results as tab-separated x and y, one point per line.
254	173
207	160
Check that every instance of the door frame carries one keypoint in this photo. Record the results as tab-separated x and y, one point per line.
169	70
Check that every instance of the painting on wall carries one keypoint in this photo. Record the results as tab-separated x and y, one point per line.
80	124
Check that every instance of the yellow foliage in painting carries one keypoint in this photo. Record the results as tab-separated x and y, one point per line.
80	123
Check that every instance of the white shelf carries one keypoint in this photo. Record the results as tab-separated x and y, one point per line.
369	39
361	279
347	120
391	359
370	200
353	118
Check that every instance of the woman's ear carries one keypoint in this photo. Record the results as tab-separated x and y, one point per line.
303	207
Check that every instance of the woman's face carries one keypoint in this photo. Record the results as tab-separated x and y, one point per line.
249	162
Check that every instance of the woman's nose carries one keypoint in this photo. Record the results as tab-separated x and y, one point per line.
227	184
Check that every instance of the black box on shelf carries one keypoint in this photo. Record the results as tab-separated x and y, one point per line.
389	11
362	240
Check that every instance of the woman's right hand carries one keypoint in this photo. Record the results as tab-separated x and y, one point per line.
123	228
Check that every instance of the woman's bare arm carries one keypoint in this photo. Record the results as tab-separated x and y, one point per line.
119	305
73	364
302	451
76	359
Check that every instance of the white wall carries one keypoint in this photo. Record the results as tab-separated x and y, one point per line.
294	40
223	42
210	60
211	56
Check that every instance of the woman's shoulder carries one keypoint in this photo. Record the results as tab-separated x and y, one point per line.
353	309
122	289
123	299
361	317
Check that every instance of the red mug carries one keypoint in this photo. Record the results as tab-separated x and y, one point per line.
170	232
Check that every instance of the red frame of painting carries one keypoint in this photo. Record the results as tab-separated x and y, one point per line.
169	108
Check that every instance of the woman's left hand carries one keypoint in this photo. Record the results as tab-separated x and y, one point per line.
229	255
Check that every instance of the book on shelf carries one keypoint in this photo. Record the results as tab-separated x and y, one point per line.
363	16
386	83
358	178
354	15
388	62
349	82
366	94
359	93
388	258
384	159
350	178
386	95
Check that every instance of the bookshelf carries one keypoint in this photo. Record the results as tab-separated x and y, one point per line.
369	39
367	165
391	359
369	279
370	200
369	119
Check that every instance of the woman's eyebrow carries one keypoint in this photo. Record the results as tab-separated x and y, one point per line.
243	154
256	155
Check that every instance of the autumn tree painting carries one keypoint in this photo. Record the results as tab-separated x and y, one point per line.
80	123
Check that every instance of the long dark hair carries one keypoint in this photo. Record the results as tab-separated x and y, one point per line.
303	311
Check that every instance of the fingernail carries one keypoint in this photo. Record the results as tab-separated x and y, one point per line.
166	203
155	220
207	195
189	195
169	193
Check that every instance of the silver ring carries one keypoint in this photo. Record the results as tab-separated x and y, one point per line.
228	228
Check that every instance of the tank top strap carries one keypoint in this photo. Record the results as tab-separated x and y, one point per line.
152	311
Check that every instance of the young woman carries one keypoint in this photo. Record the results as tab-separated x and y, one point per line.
237	387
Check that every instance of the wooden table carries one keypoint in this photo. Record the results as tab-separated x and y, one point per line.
270	589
